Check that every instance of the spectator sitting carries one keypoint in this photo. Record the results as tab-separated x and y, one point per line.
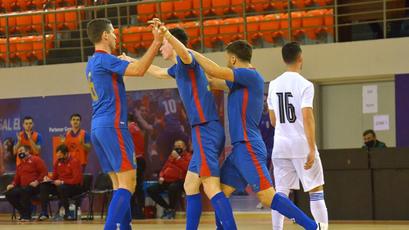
66	179
171	178
371	141
27	183
28	137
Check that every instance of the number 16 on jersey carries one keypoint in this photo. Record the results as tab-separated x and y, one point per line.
286	109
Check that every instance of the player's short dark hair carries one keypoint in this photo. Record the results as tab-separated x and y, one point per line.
76	115
180	34
291	51
131	117
96	27
241	48
26	148
369	131
62	148
28	118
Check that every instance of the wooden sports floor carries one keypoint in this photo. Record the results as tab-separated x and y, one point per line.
245	221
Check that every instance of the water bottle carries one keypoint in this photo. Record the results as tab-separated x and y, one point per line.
71	209
79	213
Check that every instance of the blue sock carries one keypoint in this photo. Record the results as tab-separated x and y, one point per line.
193	211
126	221
219	225
223	211
287	208
120	199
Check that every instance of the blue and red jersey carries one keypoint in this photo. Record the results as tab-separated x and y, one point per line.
194	91
105	77
244	117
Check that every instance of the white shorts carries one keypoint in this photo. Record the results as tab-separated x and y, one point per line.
288	172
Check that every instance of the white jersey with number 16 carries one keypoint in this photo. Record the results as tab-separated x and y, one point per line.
287	95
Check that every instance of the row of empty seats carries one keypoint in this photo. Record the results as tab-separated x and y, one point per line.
33	22
267	27
26	48
191	8
24	5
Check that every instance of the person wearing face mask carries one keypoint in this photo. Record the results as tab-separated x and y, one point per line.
28	137
27	183
65	181
171	178
370	140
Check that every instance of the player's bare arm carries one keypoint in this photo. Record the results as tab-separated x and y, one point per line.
159	72
272	118
309	129
217	84
179	48
213	69
139	67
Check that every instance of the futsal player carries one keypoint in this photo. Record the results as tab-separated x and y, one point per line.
207	132
295	156
247	162
110	135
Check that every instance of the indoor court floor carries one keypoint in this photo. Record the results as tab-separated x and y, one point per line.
245	221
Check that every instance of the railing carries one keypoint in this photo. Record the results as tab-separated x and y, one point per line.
59	35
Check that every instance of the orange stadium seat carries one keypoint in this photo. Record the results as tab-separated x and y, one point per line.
24	48
323	2
237	6
183	8
37	21
313	22
230	29
193	31
12	46
11	25
24	4
55	20
280	4
8	5
38	45
207	5
39	4
146	37
211	32
260	5
270	26
166	10
253	27
146	12
24	23
329	21
221	7
301	4
3	49
296	22
71	18
70	2
131	38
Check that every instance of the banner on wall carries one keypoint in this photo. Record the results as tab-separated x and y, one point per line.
158	113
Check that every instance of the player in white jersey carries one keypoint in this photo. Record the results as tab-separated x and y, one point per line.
295	156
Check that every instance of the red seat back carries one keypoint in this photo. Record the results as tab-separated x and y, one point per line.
211	32
146	11
25	48
24	23
270	27
193	31
313	22
167	10
229	29
220	7
183	8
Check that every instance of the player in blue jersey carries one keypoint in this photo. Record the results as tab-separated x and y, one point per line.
207	132
247	162
110	136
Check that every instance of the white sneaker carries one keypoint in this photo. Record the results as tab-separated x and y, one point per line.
322	226
260	206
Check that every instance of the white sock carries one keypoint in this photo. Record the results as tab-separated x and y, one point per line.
276	217
318	207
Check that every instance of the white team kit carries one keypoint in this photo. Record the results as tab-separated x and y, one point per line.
287	95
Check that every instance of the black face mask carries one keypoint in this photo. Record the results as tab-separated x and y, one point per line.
179	150
22	155
370	144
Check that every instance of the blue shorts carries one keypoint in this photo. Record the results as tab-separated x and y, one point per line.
208	144
114	149
247	165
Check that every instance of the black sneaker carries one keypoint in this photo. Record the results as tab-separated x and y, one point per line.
43	217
